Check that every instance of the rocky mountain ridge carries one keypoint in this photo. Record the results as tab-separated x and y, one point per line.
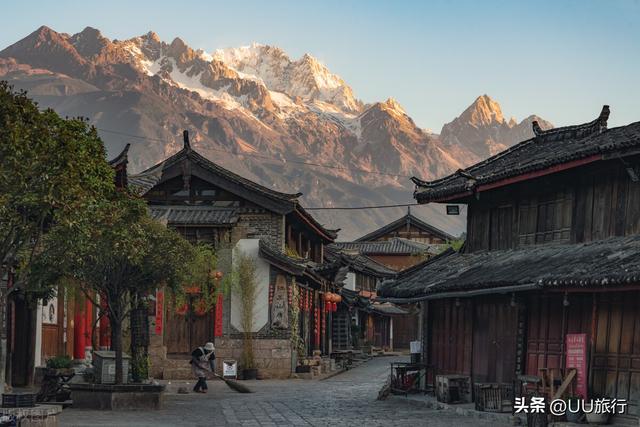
243	105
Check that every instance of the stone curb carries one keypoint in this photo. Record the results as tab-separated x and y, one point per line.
431	403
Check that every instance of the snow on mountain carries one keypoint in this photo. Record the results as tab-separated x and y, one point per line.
255	99
306	78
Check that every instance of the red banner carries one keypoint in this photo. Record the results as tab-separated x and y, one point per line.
577	358
218	321
159	311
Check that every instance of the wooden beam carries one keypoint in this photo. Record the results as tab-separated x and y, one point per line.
565	384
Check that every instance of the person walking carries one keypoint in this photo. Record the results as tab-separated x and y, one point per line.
203	359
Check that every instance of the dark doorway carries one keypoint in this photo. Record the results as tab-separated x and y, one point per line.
21	342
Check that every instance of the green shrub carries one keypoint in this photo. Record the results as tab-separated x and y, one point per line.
59	362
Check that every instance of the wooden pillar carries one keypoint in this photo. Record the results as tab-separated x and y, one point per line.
79	325
88	318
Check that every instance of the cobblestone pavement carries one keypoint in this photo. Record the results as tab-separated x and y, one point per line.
347	399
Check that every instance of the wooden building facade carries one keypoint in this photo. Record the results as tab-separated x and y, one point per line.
553	249
209	204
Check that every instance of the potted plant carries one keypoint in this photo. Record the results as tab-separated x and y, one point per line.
59	365
246	288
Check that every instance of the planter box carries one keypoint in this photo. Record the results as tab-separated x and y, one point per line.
117	397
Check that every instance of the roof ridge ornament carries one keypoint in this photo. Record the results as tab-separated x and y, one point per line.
596	126
185	139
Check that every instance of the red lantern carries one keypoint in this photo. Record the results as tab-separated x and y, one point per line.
182	310
327	296
338	298
201	308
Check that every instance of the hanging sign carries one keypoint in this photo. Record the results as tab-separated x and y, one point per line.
453	210
159	311
577	358
218	320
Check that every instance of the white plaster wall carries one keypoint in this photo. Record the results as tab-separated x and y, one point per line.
350	281
261	310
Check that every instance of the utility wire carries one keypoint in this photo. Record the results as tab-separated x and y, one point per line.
258	156
318	208
353	208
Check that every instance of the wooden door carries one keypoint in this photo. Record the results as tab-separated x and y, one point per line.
548	322
494	339
615	371
53	327
186	331
405	330
450	338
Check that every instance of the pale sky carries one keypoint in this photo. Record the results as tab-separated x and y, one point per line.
559	59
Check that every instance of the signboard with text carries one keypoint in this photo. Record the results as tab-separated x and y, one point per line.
230	369
159	311
576	351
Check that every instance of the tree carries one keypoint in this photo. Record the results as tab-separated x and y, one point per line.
52	170
198	272
121	256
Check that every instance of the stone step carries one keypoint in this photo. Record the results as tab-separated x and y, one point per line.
177	374
175	363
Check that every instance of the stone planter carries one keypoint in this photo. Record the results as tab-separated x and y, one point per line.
117	397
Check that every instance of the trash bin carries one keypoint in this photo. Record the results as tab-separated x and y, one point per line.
105	366
416	351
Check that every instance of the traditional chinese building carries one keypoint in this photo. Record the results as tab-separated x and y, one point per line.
207	203
552	257
379	255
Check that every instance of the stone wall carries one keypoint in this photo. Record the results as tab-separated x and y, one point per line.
272	356
272	347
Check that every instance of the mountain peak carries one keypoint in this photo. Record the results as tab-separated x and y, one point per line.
483	111
152	35
89	42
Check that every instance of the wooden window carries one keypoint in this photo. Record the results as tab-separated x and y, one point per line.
546	219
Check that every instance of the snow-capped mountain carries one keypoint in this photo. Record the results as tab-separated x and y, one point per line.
246	105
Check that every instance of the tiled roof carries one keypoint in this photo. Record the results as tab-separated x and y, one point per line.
194	215
388	309
613	261
394	246
208	164
336	258
407	219
549	148
275	257
273	200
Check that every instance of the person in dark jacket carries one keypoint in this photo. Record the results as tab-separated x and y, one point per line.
203	359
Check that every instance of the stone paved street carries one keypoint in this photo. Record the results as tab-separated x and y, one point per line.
344	400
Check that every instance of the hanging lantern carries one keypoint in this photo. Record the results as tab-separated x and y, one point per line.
182	310
327	296
338	298
201	308
218	275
